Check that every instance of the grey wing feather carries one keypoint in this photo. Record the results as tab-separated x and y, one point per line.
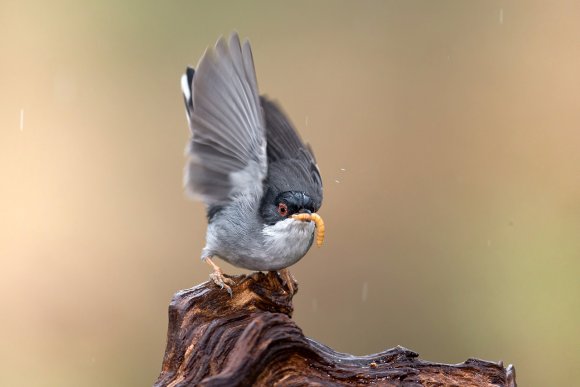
289	159
227	152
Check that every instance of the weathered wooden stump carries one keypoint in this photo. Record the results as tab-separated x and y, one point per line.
251	340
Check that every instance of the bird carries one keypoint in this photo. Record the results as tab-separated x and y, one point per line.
260	182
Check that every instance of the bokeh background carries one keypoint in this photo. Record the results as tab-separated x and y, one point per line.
448	135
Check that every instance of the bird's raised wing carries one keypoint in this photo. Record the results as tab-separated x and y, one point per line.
227	152
291	163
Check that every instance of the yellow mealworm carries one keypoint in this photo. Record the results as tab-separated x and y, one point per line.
317	221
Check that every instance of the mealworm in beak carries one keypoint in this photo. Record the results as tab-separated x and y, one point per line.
317	221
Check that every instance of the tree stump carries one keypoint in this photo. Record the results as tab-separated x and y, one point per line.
249	339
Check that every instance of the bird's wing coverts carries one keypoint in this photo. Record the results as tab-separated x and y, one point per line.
289	159
227	152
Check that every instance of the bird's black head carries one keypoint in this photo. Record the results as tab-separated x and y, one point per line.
281	206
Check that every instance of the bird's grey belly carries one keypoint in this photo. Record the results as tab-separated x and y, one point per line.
263	249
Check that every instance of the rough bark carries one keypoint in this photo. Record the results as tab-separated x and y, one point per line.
250	340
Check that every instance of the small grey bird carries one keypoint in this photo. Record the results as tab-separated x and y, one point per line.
259	181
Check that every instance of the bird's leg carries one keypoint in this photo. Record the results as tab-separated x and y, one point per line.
288	280
218	276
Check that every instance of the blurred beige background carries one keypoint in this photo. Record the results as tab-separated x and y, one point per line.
448	135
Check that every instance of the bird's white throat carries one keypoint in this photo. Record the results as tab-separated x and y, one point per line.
288	239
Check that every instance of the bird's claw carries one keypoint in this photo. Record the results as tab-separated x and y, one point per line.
223	282
289	281
218	277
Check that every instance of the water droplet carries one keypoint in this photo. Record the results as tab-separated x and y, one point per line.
365	291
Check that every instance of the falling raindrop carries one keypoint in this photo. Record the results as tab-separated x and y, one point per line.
365	291
501	16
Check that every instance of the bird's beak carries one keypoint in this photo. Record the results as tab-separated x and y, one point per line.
307	216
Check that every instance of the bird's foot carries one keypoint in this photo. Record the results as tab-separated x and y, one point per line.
220	280
218	277
288	280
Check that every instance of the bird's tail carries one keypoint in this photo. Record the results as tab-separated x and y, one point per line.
186	83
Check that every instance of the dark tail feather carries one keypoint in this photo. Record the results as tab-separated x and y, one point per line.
186	81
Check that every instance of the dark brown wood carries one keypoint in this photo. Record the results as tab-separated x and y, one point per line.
250	340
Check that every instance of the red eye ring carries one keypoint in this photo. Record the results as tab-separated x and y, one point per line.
282	209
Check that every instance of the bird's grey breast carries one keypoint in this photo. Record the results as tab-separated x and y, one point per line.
238	235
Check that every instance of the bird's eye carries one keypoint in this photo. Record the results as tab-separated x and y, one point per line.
283	209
